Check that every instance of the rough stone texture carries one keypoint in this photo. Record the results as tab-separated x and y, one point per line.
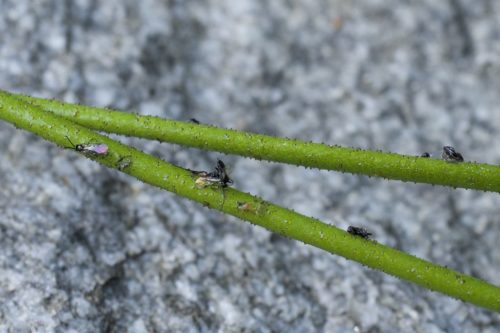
85	249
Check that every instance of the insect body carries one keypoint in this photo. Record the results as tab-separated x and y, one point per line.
358	231
451	155
217	177
90	148
194	120
221	173
97	149
425	154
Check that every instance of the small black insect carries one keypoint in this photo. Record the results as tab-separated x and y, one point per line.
194	120
425	154
91	148
451	155
218	176
221	173
358	231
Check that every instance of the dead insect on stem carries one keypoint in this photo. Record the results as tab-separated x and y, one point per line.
359	231
451	155
217	177
90	148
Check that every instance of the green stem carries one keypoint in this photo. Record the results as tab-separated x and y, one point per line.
253	209
314	155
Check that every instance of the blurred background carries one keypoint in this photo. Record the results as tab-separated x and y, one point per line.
86	249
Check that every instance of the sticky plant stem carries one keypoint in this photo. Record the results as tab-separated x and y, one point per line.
468	175
159	173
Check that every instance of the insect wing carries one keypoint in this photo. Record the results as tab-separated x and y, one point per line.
99	149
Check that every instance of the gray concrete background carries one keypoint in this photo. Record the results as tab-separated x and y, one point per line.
85	249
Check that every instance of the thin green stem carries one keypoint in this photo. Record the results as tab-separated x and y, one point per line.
159	173
314	155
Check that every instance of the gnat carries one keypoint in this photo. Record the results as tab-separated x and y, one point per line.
90	148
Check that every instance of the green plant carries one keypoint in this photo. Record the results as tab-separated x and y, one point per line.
59	122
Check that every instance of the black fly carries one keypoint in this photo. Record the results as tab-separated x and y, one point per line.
219	176
358	231
425	154
194	120
451	155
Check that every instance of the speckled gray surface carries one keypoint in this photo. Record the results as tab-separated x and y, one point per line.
85	249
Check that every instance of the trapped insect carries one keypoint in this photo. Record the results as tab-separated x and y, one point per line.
425	154
358	231
218	177
124	162
194	120
90	148
451	155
